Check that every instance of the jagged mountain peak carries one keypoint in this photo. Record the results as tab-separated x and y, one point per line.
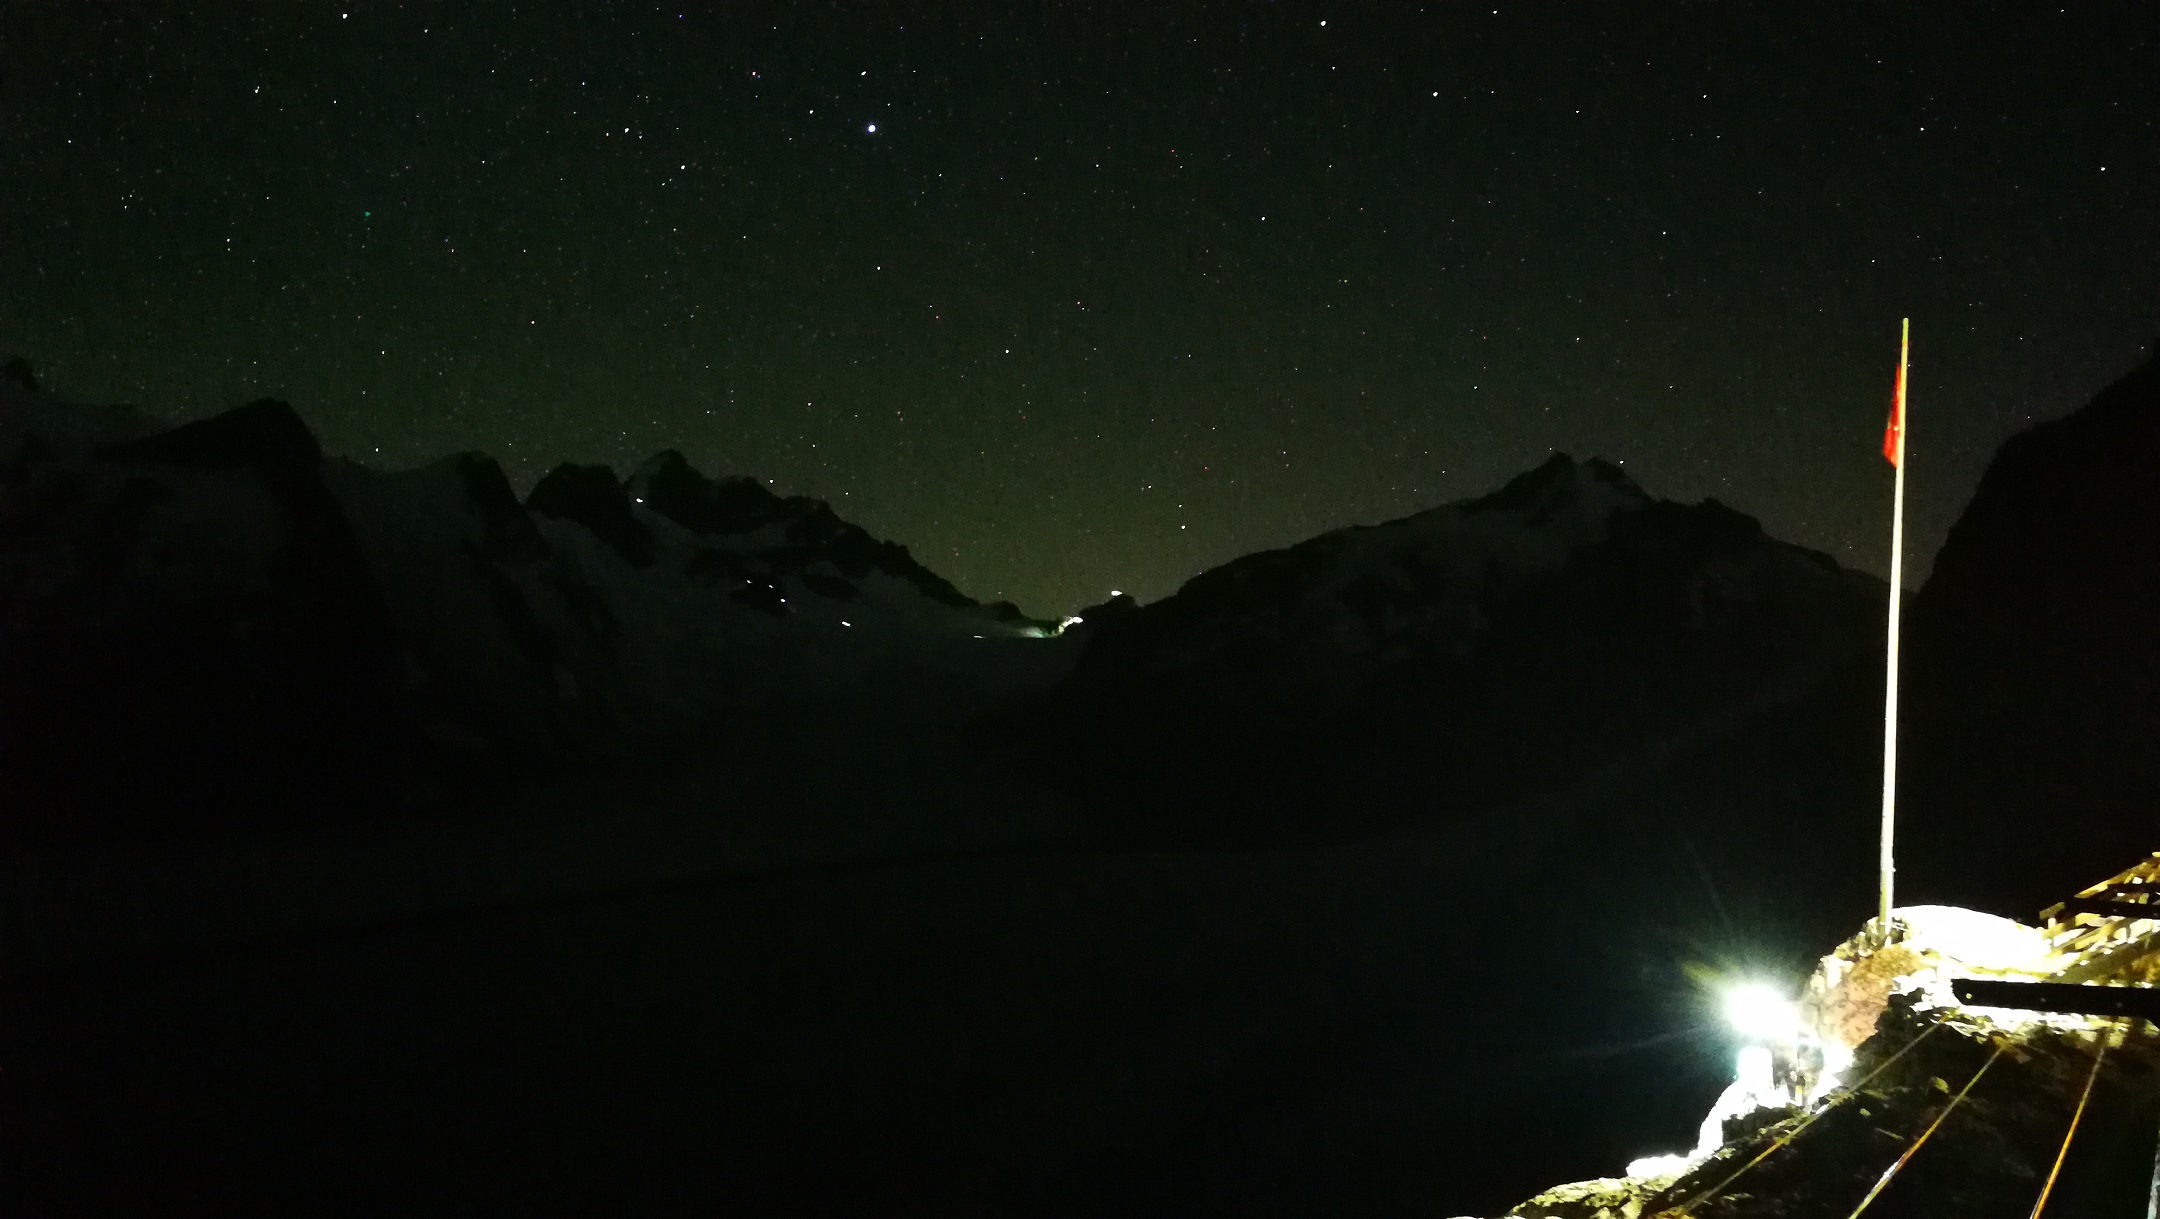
668	484
1530	524
792	532
169	589
1568	614
593	497
1563	482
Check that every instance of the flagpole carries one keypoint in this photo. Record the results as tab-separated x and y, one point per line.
1890	683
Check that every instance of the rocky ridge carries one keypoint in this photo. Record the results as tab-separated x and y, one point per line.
213	626
1474	654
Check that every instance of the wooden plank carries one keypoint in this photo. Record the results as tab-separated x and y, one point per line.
2107	908
2134	1001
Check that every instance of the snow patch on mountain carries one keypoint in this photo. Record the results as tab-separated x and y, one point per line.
1563	625
218	599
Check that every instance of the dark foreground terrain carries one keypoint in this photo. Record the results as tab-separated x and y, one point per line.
1377	1027
1381	875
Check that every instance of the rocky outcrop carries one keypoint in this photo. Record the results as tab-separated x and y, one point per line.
1886	1087
1987	1160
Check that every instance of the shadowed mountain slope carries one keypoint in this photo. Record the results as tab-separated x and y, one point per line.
1564	628
2034	661
212	627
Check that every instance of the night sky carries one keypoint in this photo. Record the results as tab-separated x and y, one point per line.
1078	297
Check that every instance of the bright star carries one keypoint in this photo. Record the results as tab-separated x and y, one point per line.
873	129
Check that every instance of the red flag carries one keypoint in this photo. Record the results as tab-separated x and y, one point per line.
1893	437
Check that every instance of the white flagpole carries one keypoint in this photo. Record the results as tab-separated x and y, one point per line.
1897	578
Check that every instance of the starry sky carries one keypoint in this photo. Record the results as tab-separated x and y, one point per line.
1080	297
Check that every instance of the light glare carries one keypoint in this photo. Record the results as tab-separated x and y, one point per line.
1758	1012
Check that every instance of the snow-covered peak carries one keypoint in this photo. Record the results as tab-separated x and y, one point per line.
1526	526
1567	614
1566	491
1435	566
783	536
180	587
668	484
